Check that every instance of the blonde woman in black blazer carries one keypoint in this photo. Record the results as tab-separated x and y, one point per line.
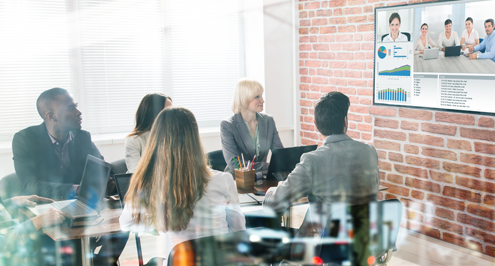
248	131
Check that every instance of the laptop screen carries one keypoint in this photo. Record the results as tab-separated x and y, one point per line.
94	181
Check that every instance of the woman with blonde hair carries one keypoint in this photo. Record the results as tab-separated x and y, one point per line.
248	132
174	191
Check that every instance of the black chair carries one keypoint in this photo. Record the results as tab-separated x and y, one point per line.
405	33
217	161
11	186
482	51
119	167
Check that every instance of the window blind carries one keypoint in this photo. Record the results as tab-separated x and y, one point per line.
122	59
34	56
205	56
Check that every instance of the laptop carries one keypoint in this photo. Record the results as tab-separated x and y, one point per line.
453	51
91	192
284	160
122	181
431	53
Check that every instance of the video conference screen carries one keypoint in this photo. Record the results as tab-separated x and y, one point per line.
436	55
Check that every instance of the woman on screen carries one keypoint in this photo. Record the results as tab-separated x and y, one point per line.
174	191
395	35
470	36
151	105
424	41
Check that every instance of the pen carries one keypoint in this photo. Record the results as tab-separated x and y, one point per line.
252	164
235	162
243	162
239	159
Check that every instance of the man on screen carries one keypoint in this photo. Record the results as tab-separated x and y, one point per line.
488	44
448	37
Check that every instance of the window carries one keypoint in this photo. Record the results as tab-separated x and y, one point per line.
109	54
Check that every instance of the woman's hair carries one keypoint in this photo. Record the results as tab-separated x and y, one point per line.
172	174
245	91
394	16
470	19
151	105
424	24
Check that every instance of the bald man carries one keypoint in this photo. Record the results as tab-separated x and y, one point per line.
49	159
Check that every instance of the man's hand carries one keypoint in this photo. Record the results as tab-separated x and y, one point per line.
443	49
471	49
111	187
50	218
473	56
29	201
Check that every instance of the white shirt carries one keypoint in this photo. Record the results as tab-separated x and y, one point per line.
444	42
134	149
217	212
471	39
401	38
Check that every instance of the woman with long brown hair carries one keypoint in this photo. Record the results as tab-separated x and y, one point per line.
149	108
174	191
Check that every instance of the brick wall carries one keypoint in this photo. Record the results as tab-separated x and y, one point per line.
441	165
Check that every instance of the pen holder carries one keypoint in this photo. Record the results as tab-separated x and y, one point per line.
244	179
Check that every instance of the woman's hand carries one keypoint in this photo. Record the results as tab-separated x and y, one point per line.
50	218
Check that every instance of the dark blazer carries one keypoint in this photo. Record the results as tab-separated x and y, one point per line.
236	139
37	166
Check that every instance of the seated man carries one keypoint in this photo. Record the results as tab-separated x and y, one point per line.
15	237
448	37
49	159
488	44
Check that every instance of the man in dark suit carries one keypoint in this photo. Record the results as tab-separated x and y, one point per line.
49	159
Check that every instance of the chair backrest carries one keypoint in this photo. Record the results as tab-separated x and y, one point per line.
405	33
119	167
11	186
122	181
216	160
383	36
482	51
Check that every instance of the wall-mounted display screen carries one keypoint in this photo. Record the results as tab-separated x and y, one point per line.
436	55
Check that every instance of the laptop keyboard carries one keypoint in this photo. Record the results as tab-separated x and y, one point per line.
75	208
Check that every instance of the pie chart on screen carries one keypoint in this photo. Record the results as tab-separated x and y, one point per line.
382	52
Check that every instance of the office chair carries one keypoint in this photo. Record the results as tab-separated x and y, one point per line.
11	186
405	33
216	160
119	167
482	51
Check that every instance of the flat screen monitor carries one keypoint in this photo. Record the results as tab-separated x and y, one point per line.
405	76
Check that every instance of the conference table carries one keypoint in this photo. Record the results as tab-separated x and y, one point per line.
454	64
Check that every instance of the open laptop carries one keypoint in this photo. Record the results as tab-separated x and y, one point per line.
431	53
91	192
122	181
453	51
284	160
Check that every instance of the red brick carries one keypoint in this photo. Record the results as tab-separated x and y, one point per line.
411	148
366	136
353	134
390	196
326	89
356	2
486	122
475	184
368	46
357	65
407	125
426	139
367	9
314	87
488	238
416	205
307	142
303	14
326	55
314	96
345	56
423	229
307	127
324	72
365	92
395	135
446	225
358	109
381	122
462	169
324	13
461	241
484	147
347	90
459	144
319	22
365	127
313	55
312	5
314	30
408	170
413	216
326	38
417	194
385	111
365	27
320	80
387	145
422	185
312	63
444	213
338	20
382	175
482	211
303	31
321	47
462	194
311	135
305	79
490	251
386	166
476	222
415	114
328	30
439	129
381	154
396	157
354	117
446	202
352	74
352	11
489	200
455	118
438	153
365	101
398	179
424	162
304	23
489	174
477	159
368	118
351	28
481	134
441	177
337	3
338	11
357	19
311	14
394	189
344	38
304	87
